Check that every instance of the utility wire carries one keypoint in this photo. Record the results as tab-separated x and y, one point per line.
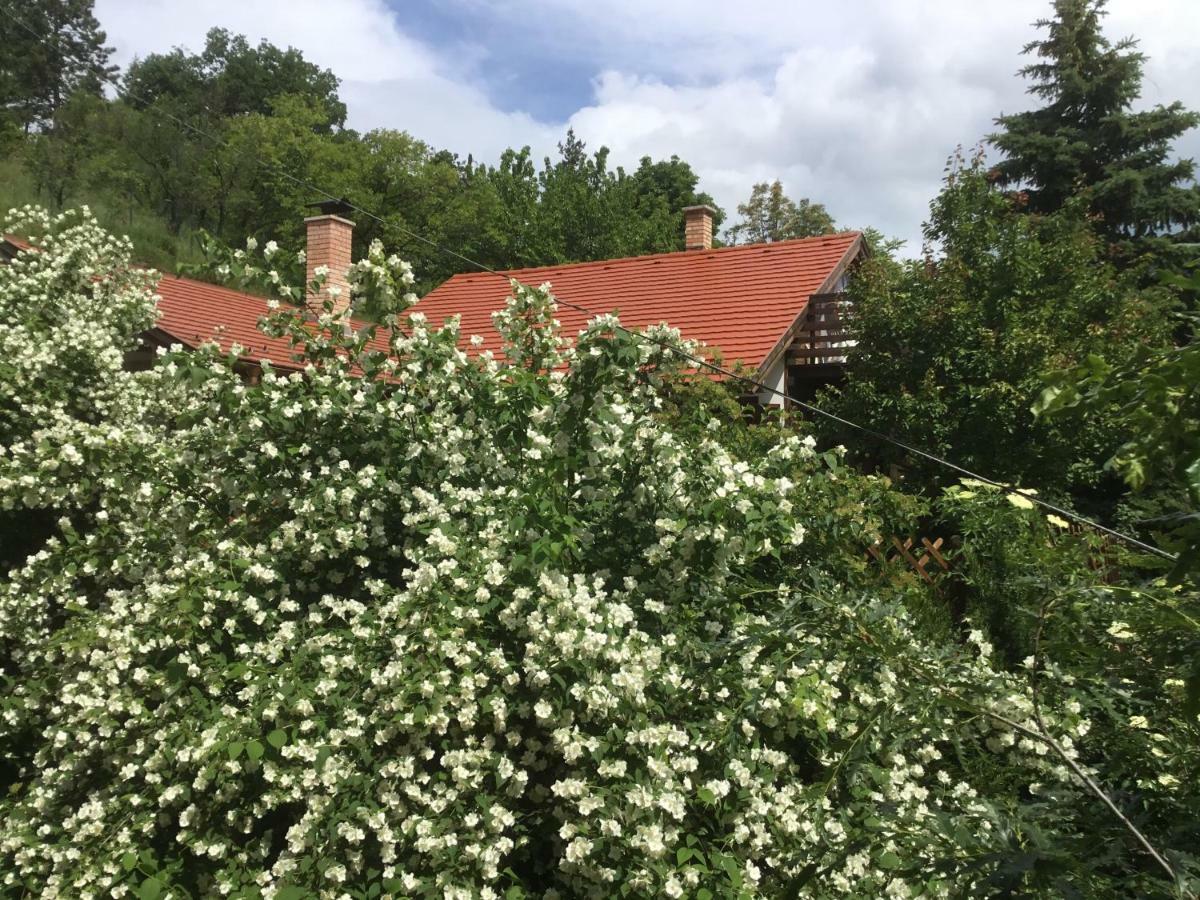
698	361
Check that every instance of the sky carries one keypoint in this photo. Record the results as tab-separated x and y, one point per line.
856	104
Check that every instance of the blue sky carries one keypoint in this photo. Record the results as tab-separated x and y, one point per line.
855	104
540	78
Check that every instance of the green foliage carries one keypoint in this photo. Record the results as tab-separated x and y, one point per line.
223	141
230	78
412	623
1153	394
769	215
153	242
950	349
1088	141
39	71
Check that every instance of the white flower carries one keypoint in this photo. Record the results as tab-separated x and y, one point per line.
1121	631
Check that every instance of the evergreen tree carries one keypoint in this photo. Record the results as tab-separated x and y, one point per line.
770	215
51	50
1088	139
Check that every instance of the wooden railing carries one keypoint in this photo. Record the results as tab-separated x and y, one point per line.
822	338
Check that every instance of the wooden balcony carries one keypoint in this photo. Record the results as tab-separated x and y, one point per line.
822	340
817	355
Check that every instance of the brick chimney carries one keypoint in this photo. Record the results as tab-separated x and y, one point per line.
698	227
329	236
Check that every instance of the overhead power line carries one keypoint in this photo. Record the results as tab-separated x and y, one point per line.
698	361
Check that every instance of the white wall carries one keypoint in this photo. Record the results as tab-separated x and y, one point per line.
775	377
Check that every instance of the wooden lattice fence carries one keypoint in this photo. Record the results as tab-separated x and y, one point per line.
922	555
930	557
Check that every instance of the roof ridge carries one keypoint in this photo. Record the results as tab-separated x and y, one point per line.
673	254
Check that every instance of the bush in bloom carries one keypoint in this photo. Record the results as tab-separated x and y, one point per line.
419	624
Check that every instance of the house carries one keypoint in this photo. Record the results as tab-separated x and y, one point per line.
773	308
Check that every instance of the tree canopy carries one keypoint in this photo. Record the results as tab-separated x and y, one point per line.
39	74
225	140
229	77
1087	140
950	349
770	215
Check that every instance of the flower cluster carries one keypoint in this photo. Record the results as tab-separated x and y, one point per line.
410	623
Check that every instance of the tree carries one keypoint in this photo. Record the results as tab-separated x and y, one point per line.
585	208
1154	395
61	158
1087	140
64	55
950	348
201	130
663	189
229	77
769	215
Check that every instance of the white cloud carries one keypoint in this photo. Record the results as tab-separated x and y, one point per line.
388	78
856	105
860	104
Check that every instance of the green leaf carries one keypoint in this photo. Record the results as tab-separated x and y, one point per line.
255	750
277	738
889	860
729	864
235	749
150	889
129	861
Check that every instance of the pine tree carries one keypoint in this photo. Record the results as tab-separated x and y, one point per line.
770	215
1087	139
51	50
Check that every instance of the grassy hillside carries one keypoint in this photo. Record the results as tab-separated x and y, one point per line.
153	242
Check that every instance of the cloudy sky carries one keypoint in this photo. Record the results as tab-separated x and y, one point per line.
856	104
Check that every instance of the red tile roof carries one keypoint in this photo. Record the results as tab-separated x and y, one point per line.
193	312
740	299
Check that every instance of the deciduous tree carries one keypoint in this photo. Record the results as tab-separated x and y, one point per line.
770	215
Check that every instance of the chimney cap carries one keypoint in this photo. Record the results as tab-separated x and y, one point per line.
701	207
339	207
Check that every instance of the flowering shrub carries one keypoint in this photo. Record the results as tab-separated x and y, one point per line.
419	624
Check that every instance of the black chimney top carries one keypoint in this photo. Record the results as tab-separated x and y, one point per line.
341	207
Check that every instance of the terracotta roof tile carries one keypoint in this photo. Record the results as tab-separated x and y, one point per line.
740	299
193	312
